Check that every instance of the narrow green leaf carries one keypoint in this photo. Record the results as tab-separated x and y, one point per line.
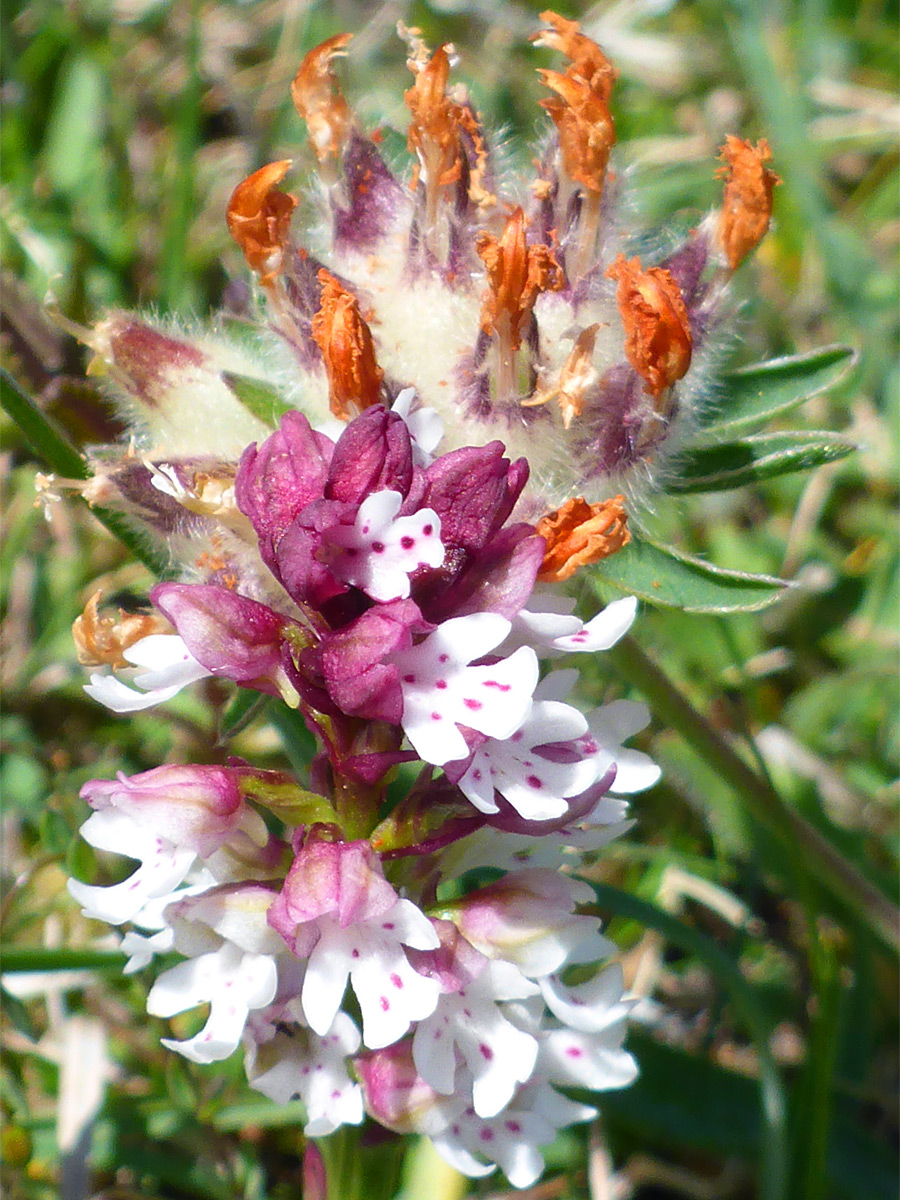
17	1014
753	459
262	1113
43	435
244	706
259	398
754	394
50	445
299	743
667	578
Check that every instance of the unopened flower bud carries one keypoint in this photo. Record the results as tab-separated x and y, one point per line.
176	388
393	1091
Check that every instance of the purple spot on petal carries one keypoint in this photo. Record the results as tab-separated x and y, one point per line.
486	1135
407	542
474	705
384	1002
441	684
486	1052
378	547
533	781
428	530
436	717
387	925
495	683
354	953
513	1126
444	658
409	679
574	1052
396	980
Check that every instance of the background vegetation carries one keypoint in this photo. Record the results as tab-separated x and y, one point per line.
769	1023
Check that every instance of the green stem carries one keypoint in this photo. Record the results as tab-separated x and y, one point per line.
773	1174
838	875
174	262
40	959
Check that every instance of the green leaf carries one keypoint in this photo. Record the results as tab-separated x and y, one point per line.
756	393
726	971
17	1014
264	1113
44	435
259	398
244	707
75	128
755	458
667	578
681	1100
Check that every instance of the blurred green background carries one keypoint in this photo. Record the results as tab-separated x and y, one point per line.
771	1010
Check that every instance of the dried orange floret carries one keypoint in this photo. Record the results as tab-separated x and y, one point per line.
102	640
577	376
517	273
341	333
259	218
579	533
747	198
318	98
434	130
658	340
588	60
440	124
586	130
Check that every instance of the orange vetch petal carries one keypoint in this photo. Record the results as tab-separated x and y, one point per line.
588	60
341	333
658	340
318	98
102	640
747	197
259	217
587	133
516	274
581	533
